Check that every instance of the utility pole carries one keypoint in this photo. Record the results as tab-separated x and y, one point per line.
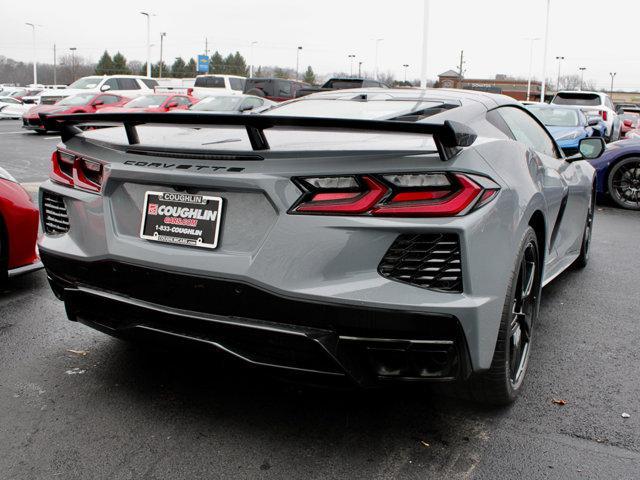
35	60
531	40
613	75
559	59
55	78
148	15
162	35
298	61
460	68
73	62
582	69
406	65
351	57
425	44
206	47
543	90
360	69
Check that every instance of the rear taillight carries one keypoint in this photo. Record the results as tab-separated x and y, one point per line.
398	195
604	115
75	171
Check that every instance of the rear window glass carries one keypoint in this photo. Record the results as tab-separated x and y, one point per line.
344	84
582	99
149	83
556	117
264	85
210	82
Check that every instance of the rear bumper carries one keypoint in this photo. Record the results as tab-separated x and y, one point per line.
364	345
32	124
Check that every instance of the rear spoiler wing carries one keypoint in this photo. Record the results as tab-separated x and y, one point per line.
449	136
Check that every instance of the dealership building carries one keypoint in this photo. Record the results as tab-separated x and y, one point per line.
502	84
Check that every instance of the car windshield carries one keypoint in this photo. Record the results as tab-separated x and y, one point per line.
217	104
147	101
75	100
373	109
577	98
86	83
556	117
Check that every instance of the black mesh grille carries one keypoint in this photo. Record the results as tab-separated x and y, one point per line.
54	214
429	261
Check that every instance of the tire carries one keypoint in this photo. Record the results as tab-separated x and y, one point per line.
623	183
583	259
501	384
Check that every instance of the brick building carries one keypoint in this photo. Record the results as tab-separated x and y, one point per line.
501	84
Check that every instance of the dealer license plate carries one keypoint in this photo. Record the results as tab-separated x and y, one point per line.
181	219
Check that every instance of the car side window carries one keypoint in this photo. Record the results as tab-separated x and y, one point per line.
113	83
108	99
284	89
236	84
181	100
128	84
528	131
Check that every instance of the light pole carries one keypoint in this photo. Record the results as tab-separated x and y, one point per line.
351	57
148	15
253	44
406	65
582	69
162	35
55	65
360	69
531	40
378	40
73	63
612	75
559	59
425	44
35	61
298	61
543	90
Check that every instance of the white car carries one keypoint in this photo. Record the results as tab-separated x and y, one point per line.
231	104
12	108
207	85
125	85
593	104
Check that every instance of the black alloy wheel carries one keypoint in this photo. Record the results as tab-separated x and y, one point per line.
624	183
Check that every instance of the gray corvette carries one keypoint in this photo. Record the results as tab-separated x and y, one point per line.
366	235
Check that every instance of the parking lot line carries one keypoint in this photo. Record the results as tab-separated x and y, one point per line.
12	133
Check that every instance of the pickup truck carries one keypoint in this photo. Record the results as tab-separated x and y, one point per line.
340	84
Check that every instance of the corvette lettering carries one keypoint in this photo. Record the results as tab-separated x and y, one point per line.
183	166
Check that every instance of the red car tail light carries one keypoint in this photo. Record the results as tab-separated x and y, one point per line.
398	195
74	171
604	115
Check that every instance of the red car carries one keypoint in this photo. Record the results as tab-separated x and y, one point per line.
18	229
80	103
630	120
156	102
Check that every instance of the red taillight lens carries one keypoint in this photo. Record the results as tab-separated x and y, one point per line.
400	195
74	171
604	115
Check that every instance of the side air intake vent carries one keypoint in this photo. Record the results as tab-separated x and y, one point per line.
54	214
430	261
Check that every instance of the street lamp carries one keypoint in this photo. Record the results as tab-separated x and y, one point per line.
612	75
406	65
582	69
162	35
425	43
73	62
148	15
351	57
378	40
298	61
35	61
543	90
360	69
253	44
559	59
531	40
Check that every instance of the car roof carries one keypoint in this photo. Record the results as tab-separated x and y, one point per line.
581	92
218	75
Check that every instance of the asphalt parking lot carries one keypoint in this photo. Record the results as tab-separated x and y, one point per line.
75	403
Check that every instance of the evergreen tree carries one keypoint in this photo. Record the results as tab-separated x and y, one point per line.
280	73
105	64
258	72
191	69
120	65
177	69
216	63
239	65
309	76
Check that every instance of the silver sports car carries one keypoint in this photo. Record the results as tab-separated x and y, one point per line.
368	235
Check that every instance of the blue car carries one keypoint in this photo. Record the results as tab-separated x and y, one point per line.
618	173
568	125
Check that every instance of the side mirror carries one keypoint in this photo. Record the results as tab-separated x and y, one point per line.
593	121
104	88
172	105
245	108
97	103
589	148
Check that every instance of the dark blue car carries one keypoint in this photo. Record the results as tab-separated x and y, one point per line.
568	125
618	173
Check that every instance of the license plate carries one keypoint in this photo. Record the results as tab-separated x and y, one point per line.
181	219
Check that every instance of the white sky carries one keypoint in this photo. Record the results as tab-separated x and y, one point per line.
600	35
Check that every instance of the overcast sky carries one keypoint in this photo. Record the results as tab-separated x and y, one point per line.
599	35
